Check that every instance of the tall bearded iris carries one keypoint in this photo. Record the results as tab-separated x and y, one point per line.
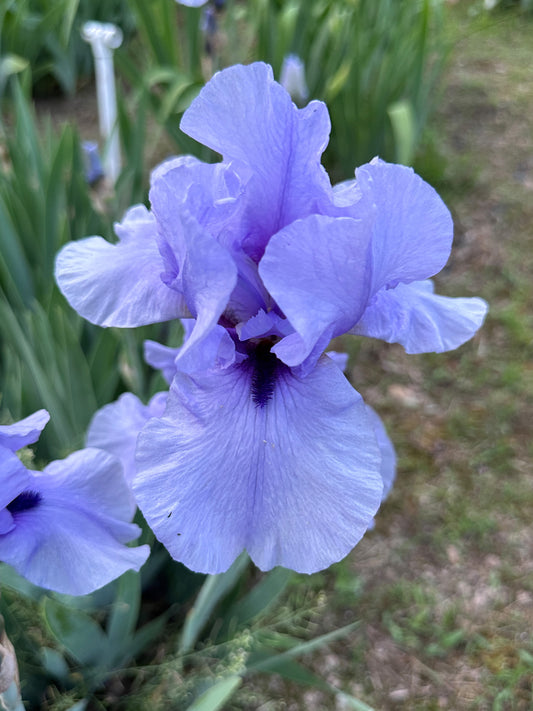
64	528
263	444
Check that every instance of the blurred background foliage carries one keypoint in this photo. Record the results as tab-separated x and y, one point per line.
169	638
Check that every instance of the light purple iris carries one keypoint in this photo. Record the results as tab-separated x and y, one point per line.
64	528
264	445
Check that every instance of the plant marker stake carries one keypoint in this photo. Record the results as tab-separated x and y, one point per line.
104	38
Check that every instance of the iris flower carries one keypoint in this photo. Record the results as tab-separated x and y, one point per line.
263	444
64	528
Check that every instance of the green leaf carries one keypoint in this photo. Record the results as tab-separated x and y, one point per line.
178	97
288	669
146	635
55	665
69	14
213	590
15	271
304	647
125	610
216	695
12	64
9	578
78	633
257	601
402	118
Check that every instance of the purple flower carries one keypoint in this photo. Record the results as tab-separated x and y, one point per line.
115	427
64	528
264	445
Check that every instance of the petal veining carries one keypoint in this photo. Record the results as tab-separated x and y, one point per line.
421	321
317	270
295	482
251	121
115	427
72	541
412	227
119	284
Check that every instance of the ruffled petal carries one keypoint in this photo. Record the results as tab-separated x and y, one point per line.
24	432
208	276
295	482
72	540
243	114
413	228
263	324
115	427
209	192
217	351
421	321
119	284
318	272
213	195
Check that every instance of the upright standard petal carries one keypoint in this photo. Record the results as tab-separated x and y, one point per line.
421	321
317	270
119	284
209	192
208	277
292	475
243	114
71	526
412	227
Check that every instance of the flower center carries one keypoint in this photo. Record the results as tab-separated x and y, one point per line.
265	369
24	502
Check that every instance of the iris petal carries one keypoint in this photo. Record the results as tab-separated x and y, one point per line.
209	192
72	541
243	114
412	227
208	277
317	269
421	321
115	427
119	284
23	432
14	479
295	482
